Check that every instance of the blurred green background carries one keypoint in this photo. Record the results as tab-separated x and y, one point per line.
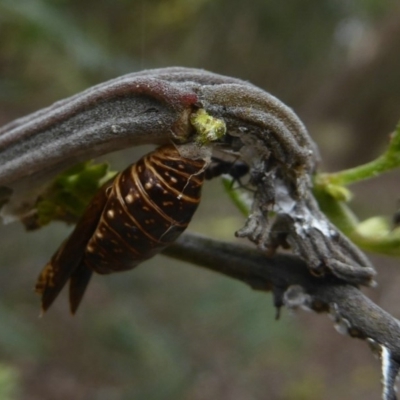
169	330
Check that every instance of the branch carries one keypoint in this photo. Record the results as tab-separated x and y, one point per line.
148	107
293	285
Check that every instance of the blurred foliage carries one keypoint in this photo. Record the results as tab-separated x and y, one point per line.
8	382
168	330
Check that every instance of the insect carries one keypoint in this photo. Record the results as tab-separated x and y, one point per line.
131	218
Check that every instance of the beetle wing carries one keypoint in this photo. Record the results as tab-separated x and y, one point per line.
70	255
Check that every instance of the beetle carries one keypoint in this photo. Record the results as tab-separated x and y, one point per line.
130	219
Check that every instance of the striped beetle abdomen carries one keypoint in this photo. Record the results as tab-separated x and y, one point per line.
149	205
131	218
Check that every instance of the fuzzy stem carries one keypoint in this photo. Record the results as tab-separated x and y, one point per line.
384	163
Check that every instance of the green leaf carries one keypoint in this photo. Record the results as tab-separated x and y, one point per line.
70	192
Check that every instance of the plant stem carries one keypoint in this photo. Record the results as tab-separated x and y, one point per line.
362	172
386	162
236	196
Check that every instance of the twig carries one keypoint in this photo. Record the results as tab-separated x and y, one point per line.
253	267
293	285
108	117
148	107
